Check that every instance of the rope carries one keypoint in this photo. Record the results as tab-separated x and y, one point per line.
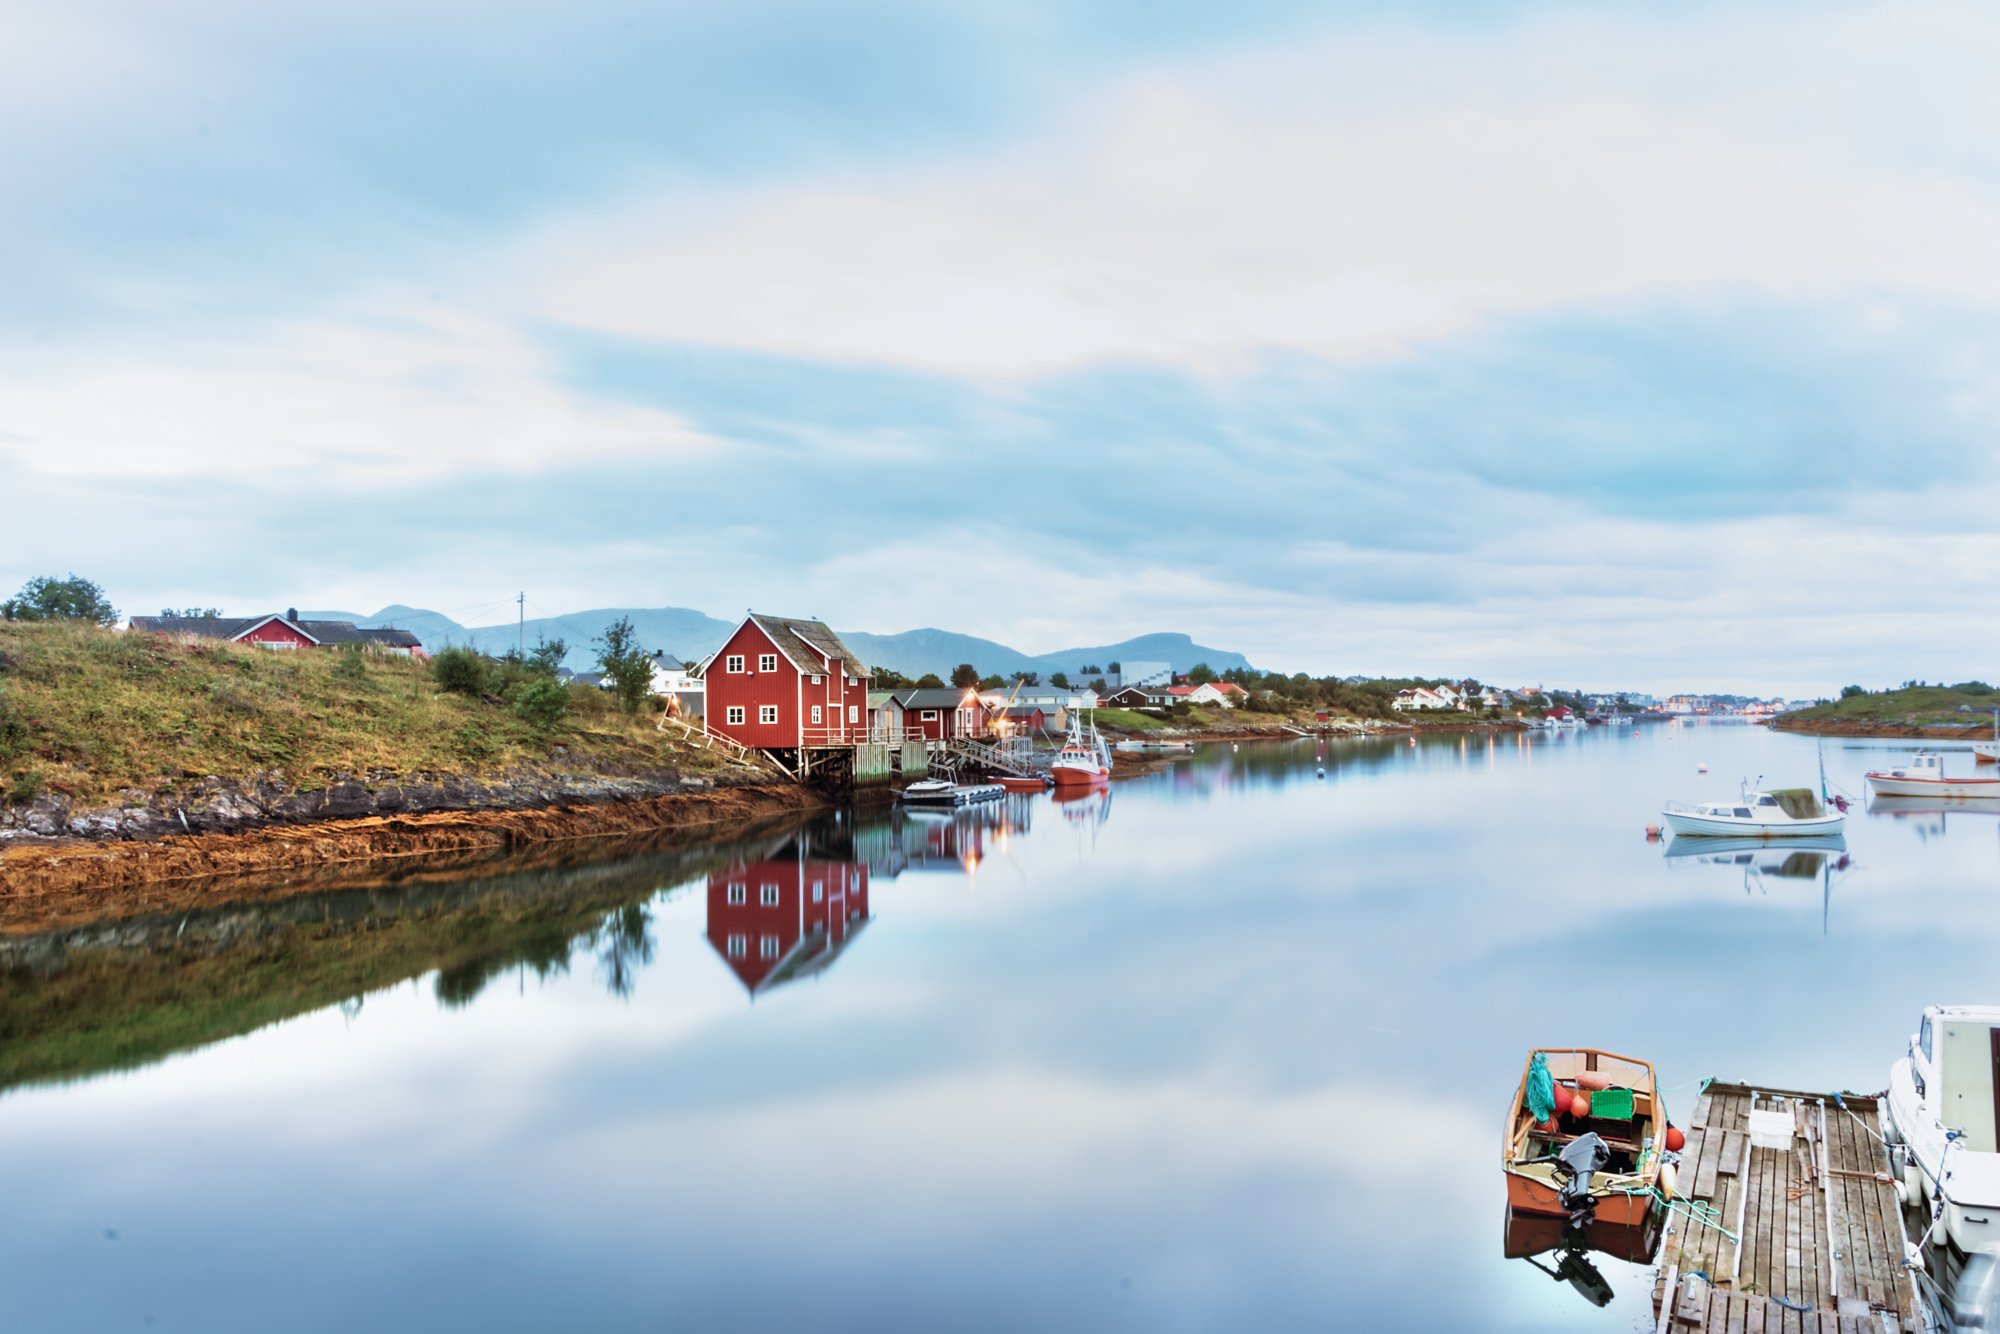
1704	1082
1699	1211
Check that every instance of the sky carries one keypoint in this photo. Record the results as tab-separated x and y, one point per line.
1620	345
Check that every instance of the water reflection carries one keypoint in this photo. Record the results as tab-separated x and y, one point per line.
1569	1246
785	916
1761	861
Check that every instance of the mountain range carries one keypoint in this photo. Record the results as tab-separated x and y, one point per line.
693	635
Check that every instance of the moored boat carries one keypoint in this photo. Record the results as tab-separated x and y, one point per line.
1924	776
1017	783
1944	1121
936	792
1778	813
1585	1138
1084	759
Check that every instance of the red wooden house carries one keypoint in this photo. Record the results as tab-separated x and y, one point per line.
944	715
775	921
779	683
277	631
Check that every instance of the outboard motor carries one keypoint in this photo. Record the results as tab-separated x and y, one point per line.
1584	1156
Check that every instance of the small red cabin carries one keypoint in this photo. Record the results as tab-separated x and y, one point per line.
781	683
944	714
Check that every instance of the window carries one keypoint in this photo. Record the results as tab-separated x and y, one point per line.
767	894
736	893
767	713
736	714
739	946
854	680
815	679
816	718
854	713
1742	812
768	947
928	715
767	662
733	663
1924	1037
819	890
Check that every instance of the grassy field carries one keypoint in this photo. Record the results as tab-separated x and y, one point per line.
86	712
1914	705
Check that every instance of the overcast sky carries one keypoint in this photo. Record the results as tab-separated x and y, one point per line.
1609	344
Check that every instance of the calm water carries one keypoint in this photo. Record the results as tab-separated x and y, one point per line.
1228	1049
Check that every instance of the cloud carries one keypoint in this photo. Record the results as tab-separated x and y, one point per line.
1345	199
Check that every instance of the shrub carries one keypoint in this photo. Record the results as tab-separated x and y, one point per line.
1973	688
459	670
353	665
24	787
1850	692
543	701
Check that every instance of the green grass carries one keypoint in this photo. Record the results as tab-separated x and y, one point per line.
1916	704
1126	720
86	712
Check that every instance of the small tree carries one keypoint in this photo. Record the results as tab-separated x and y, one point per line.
993	682
626	665
965	674
1031	678
882	678
1200	674
1060	681
51	599
543	701
460	670
1849	692
193	613
929	681
547	655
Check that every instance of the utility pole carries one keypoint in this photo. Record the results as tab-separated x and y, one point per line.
521	631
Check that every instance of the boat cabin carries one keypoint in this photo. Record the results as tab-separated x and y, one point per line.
1955	1061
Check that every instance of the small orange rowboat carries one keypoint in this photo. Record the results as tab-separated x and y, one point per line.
1615	1098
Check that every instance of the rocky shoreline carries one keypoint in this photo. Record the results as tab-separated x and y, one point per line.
220	827
1979	731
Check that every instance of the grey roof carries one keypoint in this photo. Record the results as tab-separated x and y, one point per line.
804	642
948	698
229	627
668	661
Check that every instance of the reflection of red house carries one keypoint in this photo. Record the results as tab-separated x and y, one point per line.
781	683
775	921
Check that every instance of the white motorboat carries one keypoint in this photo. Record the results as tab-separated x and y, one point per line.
1944	1124
935	792
1779	813
1924	776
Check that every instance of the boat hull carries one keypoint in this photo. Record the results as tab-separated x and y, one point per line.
1070	775
1713	826
1949	789
1528	1195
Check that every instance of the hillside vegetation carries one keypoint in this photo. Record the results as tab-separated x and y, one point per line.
1970	704
87	712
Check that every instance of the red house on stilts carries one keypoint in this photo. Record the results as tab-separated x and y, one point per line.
788	687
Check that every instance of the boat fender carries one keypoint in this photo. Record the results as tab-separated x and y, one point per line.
1670	1179
1675	1140
1579	1106
1593	1079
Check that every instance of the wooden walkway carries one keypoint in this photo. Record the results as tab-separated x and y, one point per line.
1822	1234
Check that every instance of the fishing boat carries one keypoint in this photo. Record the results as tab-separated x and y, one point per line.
1784	812
1084	759
1586	1138
1944	1124
1924	776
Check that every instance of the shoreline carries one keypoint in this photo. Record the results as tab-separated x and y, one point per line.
1869	727
75	879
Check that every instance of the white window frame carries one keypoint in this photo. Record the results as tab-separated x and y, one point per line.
767	895
854	713
815	679
738	894
736	715
733	663
767	947
819	890
927	716
767	662
817	720
739	947
767	715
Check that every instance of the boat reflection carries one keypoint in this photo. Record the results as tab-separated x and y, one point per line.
1532	1236
1930	817
1763	859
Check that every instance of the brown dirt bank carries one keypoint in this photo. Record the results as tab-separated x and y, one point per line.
48	884
1861	727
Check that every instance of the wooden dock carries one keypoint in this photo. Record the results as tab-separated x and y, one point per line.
1822	1240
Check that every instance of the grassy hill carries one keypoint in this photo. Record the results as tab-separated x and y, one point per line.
1970	704
86	713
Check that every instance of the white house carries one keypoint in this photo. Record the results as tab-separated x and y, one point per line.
675	678
1419	698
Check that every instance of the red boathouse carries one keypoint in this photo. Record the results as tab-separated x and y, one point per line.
779	683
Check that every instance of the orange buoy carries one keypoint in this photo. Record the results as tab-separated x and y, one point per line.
1593	1079
1676	1141
1579	1106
